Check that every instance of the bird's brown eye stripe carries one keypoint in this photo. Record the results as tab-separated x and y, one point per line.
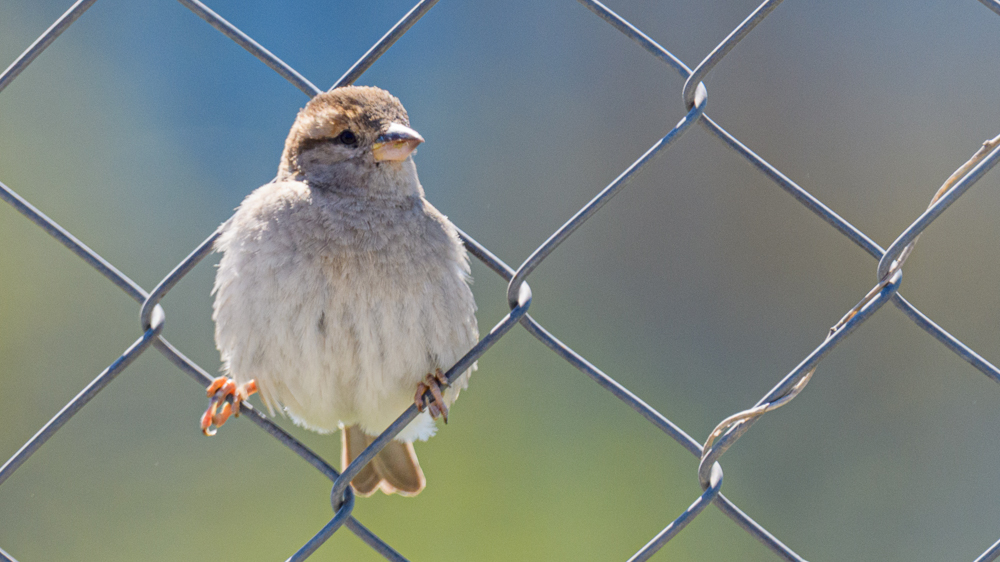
309	144
346	138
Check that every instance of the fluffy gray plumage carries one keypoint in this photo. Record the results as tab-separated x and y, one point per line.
340	287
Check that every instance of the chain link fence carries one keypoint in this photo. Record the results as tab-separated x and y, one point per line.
519	296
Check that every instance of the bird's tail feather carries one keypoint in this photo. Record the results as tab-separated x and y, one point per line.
394	469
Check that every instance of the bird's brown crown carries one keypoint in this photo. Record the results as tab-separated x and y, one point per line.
364	110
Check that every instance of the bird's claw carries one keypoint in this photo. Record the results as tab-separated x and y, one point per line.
436	406
225	397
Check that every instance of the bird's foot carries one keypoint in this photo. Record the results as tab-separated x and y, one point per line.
436	406
225	399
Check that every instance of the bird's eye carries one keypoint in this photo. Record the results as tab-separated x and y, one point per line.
347	137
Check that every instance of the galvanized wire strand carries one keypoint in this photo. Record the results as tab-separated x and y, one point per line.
290	74
50	226
345	505
755	530
602	198
43	41
168	282
703	501
372	540
247	410
793	189
257	417
995	6
733	427
796	191
633	33
254	48
668	427
889	274
81	399
637	404
949	341
957	184
633	401
611	385
383	44
463	364
723	48
993	552
856	236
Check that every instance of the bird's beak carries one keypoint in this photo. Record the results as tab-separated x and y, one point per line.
396	144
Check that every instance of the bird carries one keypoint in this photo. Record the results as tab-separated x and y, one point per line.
342	293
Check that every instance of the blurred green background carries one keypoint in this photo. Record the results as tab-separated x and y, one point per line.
698	288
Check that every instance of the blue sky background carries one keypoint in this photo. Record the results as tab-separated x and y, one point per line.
699	287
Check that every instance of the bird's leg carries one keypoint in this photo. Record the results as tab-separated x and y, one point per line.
436	406
225	399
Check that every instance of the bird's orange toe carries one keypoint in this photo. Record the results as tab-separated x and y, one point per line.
225	397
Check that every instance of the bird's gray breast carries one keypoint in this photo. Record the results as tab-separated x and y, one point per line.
341	309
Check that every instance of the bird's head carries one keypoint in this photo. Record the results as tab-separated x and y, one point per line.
355	137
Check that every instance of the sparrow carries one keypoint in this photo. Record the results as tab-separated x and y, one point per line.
342	293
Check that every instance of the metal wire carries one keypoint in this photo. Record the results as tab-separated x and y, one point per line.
695	99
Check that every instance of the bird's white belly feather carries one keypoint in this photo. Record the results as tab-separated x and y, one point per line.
341	343
336	321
